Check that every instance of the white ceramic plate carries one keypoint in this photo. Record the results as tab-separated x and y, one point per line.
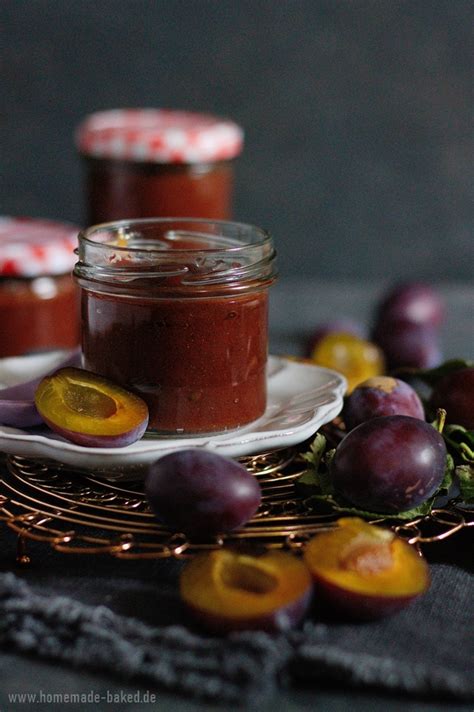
301	398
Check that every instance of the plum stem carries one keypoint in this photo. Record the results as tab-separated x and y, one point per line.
465	449
440	420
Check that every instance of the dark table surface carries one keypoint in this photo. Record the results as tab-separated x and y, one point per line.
123	585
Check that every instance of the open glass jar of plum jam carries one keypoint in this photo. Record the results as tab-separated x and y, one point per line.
176	310
157	162
39	306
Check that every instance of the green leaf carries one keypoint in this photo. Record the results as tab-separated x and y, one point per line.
447	482
309	478
421	511
465	475
316	451
431	375
323	502
316	479
325	481
460	440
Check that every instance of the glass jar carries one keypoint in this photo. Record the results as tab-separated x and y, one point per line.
156	162
39	306
177	311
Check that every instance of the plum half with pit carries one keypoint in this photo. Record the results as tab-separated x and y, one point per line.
365	571
381	396
389	464
228	590
90	410
455	393
201	493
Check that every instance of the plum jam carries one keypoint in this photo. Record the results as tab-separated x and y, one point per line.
39	306
176	310
155	162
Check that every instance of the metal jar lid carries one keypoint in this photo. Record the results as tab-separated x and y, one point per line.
31	247
159	136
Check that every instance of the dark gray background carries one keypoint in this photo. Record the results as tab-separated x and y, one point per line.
358	116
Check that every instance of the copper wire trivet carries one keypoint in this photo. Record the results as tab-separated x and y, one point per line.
77	513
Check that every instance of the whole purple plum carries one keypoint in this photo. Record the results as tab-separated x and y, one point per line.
201	493
389	464
413	302
379	396
408	345
455	393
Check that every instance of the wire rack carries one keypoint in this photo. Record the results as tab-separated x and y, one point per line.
79	513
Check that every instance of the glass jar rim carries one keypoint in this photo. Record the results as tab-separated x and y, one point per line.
121	226
201	253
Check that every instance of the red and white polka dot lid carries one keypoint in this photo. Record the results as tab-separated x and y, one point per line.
31	247
159	136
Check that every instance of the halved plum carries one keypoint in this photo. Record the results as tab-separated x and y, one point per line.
228	590
365	571
90	410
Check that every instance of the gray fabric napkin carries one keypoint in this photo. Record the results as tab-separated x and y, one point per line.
61	628
425	650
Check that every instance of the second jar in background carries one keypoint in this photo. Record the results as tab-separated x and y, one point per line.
39	307
143	163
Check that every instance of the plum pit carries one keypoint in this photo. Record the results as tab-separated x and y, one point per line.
367	557
242	573
89	401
